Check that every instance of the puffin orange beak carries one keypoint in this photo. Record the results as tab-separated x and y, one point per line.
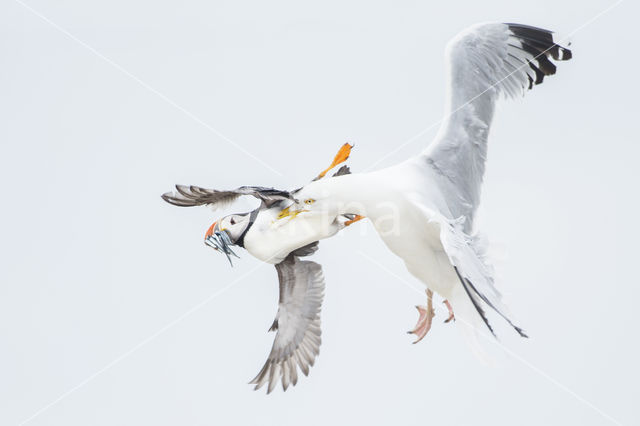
210	231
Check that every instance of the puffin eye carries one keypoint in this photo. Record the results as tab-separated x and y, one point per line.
309	201
233	222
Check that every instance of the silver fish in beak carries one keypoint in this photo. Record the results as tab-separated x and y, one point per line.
220	241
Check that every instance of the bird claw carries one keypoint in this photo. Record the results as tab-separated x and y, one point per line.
425	318
451	315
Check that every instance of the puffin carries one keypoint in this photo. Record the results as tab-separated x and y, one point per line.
274	235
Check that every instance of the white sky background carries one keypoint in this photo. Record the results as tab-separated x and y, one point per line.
93	262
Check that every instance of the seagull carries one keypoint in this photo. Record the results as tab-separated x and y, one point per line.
269	234
424	208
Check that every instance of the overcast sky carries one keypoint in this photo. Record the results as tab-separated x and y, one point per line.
106	105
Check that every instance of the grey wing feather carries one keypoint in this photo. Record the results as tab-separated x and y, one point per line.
307	250
298	337
190	196
475	274
484	62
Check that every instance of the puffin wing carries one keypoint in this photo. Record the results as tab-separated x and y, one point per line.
484	62
297	323
189	196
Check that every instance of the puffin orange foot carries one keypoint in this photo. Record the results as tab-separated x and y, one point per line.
341	157
425	318
451	315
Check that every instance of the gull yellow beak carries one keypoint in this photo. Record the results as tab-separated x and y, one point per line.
287	212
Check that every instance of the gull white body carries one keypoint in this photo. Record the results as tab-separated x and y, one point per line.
406	208
424	207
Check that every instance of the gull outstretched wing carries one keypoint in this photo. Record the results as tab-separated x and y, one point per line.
484	62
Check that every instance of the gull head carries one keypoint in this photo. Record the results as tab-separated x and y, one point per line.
314	199
325	195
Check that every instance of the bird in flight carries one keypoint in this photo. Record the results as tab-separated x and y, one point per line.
271	234
424	207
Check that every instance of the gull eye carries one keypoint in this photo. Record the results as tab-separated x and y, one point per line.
309	201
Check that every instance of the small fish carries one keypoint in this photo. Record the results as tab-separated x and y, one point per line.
220	241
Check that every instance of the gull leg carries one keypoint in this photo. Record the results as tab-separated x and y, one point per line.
451	315
425	318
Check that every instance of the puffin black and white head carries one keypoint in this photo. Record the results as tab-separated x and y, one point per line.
229	231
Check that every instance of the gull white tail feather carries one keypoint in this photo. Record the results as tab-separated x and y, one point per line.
469	262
